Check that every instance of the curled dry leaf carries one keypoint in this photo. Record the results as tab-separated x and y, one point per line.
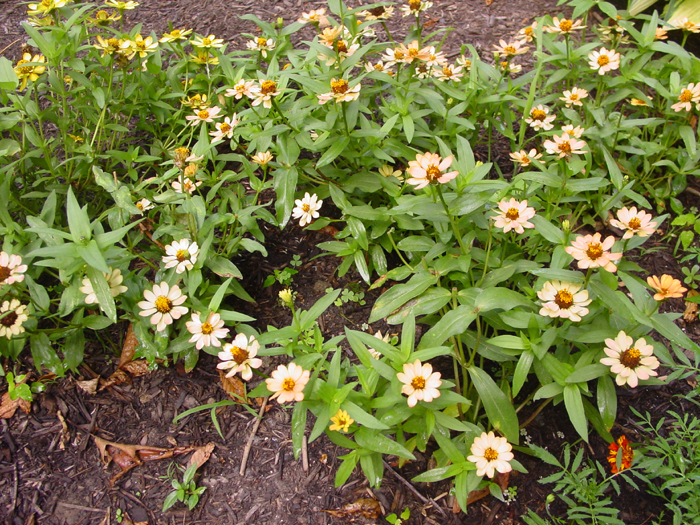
233	386
201	455
129	347
88	387
129	456
8	406
127	368
65	436
691	309
363	507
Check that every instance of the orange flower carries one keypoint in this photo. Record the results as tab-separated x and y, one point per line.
627	454
666	287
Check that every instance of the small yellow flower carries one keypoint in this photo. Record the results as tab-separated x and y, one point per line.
25	73
203	57
341	421
175	35
103	18
207	42
287	297
122	6
45	6
262	158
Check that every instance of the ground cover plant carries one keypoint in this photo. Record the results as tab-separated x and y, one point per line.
136	168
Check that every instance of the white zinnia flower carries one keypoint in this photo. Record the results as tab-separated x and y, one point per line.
420	383
181	255
630	363
163	305
491	453
561	299
239	356
307	209
206	333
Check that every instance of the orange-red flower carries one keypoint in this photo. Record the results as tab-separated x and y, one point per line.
627	454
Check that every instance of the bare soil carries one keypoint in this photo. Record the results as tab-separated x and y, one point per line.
53	476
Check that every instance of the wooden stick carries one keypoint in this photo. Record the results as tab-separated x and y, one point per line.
410	487
249	445
304	455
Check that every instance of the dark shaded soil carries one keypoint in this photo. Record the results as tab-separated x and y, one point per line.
55	477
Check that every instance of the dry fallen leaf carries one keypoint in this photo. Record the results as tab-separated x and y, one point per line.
136	368
363	507
232	385
201	455
128	368
691	309
8	407
88	387
65	436
129	456
129	347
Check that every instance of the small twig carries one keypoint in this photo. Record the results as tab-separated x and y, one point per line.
249	445
79	507
410	487
15	487
304	455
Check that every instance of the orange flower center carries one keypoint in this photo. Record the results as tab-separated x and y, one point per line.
305	207
594	251
398	55
379	67
182	255
538	114
342	46
412	52
447	71
490	454
225	128
262	42
139	206
414	5
635	223
207	328
509	49
573	96
9	320
418	382
528	31
339	87
630	358
512	214
240	355
5	272
288	384
603	60
267	87
565	147
564	299
203	114
686	95
163	304
566	25
433	172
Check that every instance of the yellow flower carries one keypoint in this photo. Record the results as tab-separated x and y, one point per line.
203	57
45	6
207	42
26	73
341	421
175	35
262	158
103	18
122	6
139	45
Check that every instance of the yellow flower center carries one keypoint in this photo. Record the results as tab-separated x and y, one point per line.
139	206
338	87
635	223
573	97
528	31
288	384
412	52
262	42
398	55
509	49
603	60
538	114
163	304
305	208
566	25
418	382
685	96
182	153
630	358
379	67
268	87
342	46
225	128
182	255
594	251
203	114
414	5
433	172
447	71
490	454
564	299
565	146
512	214
9	319
207	328
5	272
206	41
24	71
240	355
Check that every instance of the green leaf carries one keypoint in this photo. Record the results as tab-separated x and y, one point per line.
574	407
401	294
170	500
38	294
499	298
522	369
607	401
499	408
307	319
91	254
96	322
548	230
377	442
44	354
613	169
74	348
454	322
78	219
362	417
223	267
346	467
298	427
587	373
331	153
285	184
103	292
8	78
408	127
219	295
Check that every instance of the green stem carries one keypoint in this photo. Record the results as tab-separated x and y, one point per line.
453	223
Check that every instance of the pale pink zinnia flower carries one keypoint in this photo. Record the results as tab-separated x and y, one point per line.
604	60
208	332
688	97
564	145
562	299
239	357
287	383
630	363
240	89
491	453
574	97
634	221
11	269
420	383
514	215
429	168
525	158
590	252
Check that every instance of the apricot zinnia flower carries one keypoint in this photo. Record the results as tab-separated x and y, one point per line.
590	252
604	60
565	145
562	299
491	453
574	97
11	269
514	215
667	287
287	383
239	356
525	158
630	363
510	49
420	382
627	455
540	118
688	97
429	168
340	92
634	221
563	26
163	305
206	333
